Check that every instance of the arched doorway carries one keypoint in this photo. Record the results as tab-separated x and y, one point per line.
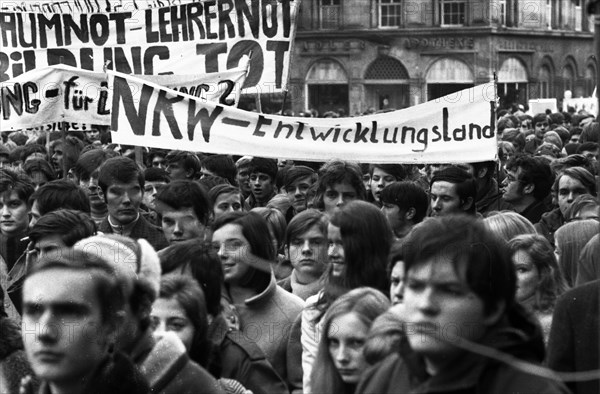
512	83
327	87
447	76
386	84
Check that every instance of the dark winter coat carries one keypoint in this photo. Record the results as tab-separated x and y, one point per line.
574	343
116	375
242	360
168	369
13	361
142	229
405	372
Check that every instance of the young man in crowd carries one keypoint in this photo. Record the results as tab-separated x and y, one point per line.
122	184
50	236
489	196
72	307
306	248
219	165
183	165
339	183
404	206
86	171
570	184
591	150
540	125
459	296
527	185
185	209
163	362
154	180
156	158
59	194
382	175
242	176
296	182
262	181
15	190
452	191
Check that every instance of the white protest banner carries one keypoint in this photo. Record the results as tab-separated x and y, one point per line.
223	87
537	106
87	6
54	94
455	128
587	104
39	99
189	38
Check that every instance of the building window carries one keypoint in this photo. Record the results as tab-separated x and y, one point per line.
578	15
452	12
550	17
590	81
544	79
390	13
331	11
502	12
568	78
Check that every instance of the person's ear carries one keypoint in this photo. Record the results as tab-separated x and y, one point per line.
493	316
189	173
528	189
410	213
466	204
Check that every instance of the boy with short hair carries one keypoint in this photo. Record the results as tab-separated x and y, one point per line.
459	310
306	248
72	308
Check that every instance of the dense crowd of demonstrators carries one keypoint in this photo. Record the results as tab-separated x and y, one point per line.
151	271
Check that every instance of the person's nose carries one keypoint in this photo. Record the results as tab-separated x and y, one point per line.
427	303
306	247
570	197
297	192
398	290
436	204
48	328
333	251
341	354
340	201
177	228
221	252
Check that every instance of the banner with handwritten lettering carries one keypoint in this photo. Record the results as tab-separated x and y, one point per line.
188	38
50	95
85	6
456	128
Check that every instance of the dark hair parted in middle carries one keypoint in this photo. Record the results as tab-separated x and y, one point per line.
256	231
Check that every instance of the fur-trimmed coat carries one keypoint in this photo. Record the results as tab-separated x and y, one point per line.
13	362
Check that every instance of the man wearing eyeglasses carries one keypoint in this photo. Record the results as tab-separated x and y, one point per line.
527	185
540	124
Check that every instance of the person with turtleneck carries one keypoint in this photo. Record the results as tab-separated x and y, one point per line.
122	184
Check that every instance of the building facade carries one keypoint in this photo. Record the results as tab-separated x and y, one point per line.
357	56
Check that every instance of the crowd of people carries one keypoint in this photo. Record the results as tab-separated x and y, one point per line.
129	270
